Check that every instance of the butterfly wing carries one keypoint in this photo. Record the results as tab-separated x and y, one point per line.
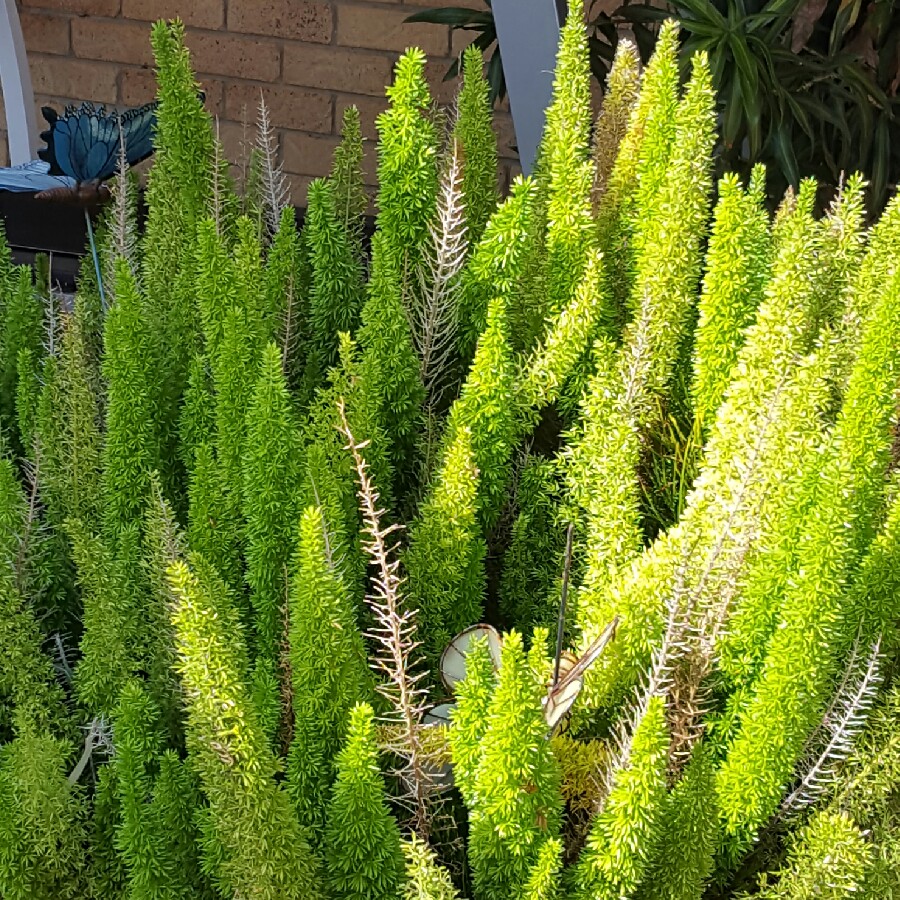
593	651
32	176
138	126
83	143
560	700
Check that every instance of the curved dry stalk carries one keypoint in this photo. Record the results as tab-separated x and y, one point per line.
394	633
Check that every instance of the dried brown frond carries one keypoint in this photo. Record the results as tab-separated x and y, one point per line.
395	636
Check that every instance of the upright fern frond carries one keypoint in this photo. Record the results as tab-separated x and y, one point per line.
622	91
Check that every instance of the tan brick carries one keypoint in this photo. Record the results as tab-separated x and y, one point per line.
116	41
383	28
442	91
58	76
369	110
45	32
297	19
238	57
236	144
298	187
288	107
80	7
307	154
199	13
137	86
337	69
4	149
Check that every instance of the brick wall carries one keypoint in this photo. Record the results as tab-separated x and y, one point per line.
310	59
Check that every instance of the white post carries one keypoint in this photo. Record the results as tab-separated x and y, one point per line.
15	80
528	33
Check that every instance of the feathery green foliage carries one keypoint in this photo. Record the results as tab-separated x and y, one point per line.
195	582
328	668
259	846
622	837
362	839
516	803
407	167
478	145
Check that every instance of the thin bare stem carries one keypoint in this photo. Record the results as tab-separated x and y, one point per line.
394	633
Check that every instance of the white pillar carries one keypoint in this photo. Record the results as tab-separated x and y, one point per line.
528	33
15	80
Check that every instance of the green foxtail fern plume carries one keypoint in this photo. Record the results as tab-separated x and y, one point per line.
478	146
108	875
236	360
389	367
179	194
425	879
737	268
601	471
197	418
362	840
683	858
336	290
543	882
445	557
567	337
287	284
328	668
132	449
407	167
215	282
640	163
27	680
618	851
516	805
253	833
566	175
469	719
110	642
271	481
23	324
667	261
347	179
162	543
214	527
496	266
158	843
486	408
622	91
640	593
812	628
828	861
42	827
533	562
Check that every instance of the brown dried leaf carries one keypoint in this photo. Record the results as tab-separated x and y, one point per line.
804	23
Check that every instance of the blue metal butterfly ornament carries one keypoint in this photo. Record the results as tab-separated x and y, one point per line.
82	152
84	148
